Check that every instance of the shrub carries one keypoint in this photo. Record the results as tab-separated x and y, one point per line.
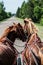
41	21
1	17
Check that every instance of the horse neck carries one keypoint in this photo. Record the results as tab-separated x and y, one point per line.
35	38
38	39
2	39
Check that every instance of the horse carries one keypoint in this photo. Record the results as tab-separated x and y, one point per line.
8	39
41	55
16	28
36	45
6	55
33	38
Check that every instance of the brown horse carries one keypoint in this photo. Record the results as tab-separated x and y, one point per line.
29	26
8	38
33	39
18	29
6	55
35	44
41	55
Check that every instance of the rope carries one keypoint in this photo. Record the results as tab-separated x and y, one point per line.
13	43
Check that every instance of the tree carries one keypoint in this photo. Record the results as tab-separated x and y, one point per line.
3	13
31	9
18	12
37	13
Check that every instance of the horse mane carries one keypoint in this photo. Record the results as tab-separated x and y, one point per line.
6	31
19	25
34	37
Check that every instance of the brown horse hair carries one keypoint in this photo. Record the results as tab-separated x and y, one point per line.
6	55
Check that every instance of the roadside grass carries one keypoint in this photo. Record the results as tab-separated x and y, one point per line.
40	32
20	20
4	20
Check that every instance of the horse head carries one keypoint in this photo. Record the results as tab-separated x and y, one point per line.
13	32
20	32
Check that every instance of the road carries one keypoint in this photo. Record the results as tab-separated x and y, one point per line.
7	23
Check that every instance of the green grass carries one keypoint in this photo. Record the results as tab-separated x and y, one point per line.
40	32
19	19
4	20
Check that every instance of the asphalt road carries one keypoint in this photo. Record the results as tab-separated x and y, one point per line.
7	23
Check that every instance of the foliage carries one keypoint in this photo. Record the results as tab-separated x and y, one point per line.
31	9
37	13
17	13
41	20
3	13
9	14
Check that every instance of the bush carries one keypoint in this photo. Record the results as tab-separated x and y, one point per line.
3	13
9	14
37	12
41	21
1	17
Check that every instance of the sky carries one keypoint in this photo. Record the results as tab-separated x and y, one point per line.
12	5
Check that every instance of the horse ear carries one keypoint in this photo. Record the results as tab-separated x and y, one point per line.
10	27
14	23
19	24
